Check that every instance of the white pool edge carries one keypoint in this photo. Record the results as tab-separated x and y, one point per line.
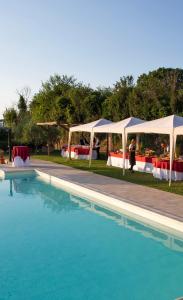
145	215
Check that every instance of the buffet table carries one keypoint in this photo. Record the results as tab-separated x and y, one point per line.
79	152
21	156
143	164
161	169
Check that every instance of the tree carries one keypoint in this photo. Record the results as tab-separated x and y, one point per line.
51	134
42	107
61	98
64	109
47	103
3	139
20	129
22	105
25	93
10	117
59	84
157	94
116	106
92	106
77	96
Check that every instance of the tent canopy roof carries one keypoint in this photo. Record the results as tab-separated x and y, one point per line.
118	127
161	126
179	130
90	126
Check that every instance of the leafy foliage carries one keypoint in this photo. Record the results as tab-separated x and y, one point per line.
61	98
10	117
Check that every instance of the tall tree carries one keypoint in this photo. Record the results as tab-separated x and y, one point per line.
116	106
22	105
157	94
10	117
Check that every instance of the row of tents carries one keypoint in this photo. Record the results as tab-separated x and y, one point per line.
171	125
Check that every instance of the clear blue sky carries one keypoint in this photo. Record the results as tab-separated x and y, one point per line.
97	41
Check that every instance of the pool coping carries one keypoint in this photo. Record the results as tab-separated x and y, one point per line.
140	214
121	205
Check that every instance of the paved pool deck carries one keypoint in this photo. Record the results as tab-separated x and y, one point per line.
164	203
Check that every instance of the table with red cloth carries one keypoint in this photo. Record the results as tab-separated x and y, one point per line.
159	168
78	152
21	156
143	163
162	167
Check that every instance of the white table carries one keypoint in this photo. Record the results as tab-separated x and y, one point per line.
117	161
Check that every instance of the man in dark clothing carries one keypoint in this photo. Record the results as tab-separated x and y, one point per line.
96	146
132	148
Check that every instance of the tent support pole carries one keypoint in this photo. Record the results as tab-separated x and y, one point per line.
124	149
137	141
69	144
107	151
171	156
91	148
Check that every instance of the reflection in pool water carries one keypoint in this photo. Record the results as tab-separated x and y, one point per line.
56	202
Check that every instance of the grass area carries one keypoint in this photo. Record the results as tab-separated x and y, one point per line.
99	167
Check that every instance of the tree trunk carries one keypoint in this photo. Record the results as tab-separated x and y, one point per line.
48	149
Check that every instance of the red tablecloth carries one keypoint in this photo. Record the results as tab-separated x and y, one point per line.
22	151
165	164
120	155
80	150
137	157
145	159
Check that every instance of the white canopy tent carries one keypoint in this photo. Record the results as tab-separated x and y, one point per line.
119	127
178	131
167	125
89	127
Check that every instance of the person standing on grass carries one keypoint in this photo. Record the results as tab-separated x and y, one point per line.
96	146
132	148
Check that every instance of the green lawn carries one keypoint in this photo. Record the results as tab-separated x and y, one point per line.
99	167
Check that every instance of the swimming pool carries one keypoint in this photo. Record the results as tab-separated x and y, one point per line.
54	245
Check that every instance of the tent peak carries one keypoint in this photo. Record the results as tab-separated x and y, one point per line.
163	125
172	120
118	127
89	126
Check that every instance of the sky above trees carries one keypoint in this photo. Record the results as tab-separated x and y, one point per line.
96	41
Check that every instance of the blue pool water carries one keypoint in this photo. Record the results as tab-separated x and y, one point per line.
54	245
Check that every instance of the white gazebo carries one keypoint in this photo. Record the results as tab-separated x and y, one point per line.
89	127
120	128
178	131
167	125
